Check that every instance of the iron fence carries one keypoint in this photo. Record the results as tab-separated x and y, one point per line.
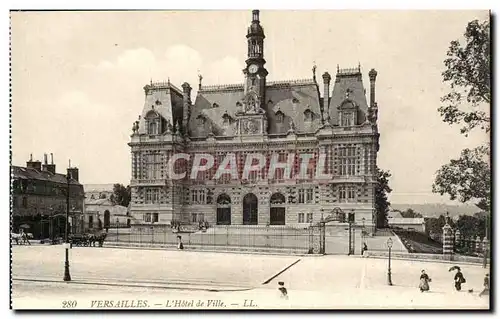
469	246
291	239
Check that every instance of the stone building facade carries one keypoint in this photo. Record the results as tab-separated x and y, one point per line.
39	199
275	119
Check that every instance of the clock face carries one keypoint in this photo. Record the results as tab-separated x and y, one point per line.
253	68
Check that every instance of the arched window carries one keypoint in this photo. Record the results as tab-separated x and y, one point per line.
280	117
152	122
348	111
308	116
201	120
153	128
226	119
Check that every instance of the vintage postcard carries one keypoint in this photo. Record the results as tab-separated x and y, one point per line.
250	160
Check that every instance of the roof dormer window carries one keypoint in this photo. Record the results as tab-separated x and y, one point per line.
308	115
201	120
280	117
215	105
153	127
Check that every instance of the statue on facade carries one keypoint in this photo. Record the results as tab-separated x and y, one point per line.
292	127
169	127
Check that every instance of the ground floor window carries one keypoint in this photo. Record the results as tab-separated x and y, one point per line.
309	217
91	221
301	217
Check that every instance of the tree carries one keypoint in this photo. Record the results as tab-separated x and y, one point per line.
381	202
121	195
410	213
472	226
468	73
467	179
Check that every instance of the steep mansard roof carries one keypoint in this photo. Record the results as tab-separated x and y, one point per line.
292	98
348	80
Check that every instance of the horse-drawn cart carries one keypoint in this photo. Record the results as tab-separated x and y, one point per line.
87	239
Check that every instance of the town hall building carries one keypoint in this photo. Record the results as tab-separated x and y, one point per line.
283	118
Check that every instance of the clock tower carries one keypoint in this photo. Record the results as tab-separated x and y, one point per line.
255	72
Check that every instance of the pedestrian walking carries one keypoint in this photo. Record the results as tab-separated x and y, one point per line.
283	291
486	285
424	282
459	280
365	248
180	245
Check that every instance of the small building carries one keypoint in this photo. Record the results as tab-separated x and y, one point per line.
39	199
103	214
414	224
98	191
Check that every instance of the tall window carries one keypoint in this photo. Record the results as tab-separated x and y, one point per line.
309	195
309	218
306	196
91	221
347	157
153	128
153	165
155	217
198	196
301	217
147	217
280	117
347	193
152	195
301	196
347	118
308	116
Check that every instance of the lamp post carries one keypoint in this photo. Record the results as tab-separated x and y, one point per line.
117	221
389	279
67	276
362	236
486	246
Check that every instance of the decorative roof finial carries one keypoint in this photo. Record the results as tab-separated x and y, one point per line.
150	81
359	66
168	80
200	78
338	68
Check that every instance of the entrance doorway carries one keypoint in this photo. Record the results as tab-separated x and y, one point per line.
223	210
277	212
250	209
106	219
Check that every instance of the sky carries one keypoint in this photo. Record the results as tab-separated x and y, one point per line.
78	77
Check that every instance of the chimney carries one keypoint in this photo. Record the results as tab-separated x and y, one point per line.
186	98
255	15
373	76
73	172
326	94
34	164
48	167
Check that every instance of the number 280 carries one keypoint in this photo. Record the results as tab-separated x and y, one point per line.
69	304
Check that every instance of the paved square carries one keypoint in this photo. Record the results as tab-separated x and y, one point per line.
315	282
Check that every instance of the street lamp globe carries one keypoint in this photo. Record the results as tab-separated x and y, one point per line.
389	242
